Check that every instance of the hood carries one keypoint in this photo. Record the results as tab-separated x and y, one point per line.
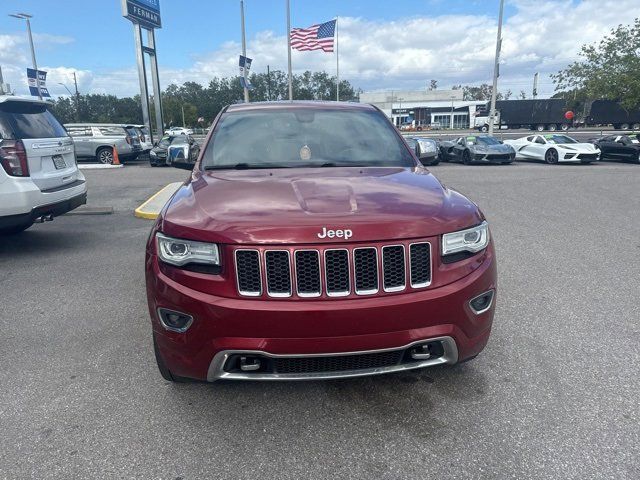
500	148
158	149
293	206
578	147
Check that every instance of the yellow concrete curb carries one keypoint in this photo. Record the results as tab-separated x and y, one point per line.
151	208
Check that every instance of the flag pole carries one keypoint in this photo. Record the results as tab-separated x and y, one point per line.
337	65
289	49
244	54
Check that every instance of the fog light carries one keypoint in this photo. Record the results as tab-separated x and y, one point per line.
174	321
482	302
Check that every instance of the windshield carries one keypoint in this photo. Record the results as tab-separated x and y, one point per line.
487	141
305	137
170	140
559	139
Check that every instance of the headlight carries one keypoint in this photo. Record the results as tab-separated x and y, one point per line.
177	251
470	240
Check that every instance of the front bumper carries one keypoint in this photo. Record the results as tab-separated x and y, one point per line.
579	158
316	327
493	158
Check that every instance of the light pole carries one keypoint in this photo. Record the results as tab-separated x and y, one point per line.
496	71
66	88
26	16
451	120
244	54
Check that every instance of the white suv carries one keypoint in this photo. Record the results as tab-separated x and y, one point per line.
39	176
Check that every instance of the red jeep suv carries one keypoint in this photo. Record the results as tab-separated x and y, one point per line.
310	243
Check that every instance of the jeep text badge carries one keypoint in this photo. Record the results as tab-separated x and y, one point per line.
346	233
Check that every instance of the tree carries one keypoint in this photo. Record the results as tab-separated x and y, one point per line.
204	101
433	85
608	69
476	92
507	95
523	95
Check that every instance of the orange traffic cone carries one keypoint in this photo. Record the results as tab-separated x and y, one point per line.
116	160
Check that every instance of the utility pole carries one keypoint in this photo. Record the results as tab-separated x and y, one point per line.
337	65
289	50
535	85
268	84
183	125
2	92
451	124
26	16
244	53
75	82
496	71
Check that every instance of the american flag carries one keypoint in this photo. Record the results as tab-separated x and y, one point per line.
316	37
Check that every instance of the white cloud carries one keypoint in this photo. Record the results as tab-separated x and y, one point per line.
542	36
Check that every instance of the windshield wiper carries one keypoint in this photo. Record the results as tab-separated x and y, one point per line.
244	166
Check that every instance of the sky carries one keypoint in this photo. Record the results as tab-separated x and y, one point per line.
384	45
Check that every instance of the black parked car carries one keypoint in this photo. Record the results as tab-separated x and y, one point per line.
426	149
619	147
174	149
477	149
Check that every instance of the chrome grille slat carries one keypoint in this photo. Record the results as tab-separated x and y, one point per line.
334	272
337	278
278	269
248	272
393	268
365	268
307	266
420	264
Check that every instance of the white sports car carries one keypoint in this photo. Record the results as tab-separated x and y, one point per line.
554	148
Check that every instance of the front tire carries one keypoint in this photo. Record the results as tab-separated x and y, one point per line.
484	128
105	155
551	156
466	157
564	127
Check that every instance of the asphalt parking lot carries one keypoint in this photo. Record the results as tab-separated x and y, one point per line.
554	394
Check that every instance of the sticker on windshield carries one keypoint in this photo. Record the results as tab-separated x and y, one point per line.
305	153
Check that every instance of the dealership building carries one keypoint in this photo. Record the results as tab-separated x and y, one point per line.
445	108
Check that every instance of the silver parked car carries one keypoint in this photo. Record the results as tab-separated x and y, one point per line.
143	136
97	140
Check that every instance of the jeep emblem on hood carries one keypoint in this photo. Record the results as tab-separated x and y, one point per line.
346	233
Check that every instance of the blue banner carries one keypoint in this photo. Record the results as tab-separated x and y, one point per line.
33	86
245	62
144	12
